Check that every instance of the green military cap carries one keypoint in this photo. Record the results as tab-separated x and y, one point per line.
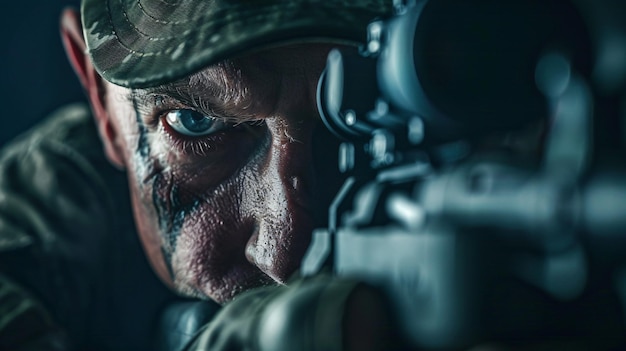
142	43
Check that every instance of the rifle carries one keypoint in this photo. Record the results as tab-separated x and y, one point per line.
473	243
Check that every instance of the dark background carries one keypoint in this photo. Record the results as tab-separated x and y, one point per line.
36	77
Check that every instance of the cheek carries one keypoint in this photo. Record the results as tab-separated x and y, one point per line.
147	229
209	258
187	213
204	235
132	139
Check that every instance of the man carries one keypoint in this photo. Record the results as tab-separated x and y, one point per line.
205	111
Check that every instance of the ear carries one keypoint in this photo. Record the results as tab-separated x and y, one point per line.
95	87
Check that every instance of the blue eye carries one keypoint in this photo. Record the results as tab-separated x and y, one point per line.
192	123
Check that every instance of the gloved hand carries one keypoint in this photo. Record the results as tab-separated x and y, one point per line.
181	321
320	313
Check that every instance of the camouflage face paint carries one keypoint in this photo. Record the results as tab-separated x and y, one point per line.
171	212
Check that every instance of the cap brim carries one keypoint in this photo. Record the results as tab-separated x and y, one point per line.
145	43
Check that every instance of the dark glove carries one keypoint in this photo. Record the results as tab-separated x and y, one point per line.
319	313
181	321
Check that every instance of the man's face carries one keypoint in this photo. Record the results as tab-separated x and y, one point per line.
220	171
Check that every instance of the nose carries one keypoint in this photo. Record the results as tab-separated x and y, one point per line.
280	197
281	201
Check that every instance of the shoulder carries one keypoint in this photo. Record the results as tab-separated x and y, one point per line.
55	172
59	198
58	207
67	234
68	136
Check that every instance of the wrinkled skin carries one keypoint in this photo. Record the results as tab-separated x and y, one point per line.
222	213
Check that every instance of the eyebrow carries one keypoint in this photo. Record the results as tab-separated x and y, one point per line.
172	88
223	80
217	89
178	91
